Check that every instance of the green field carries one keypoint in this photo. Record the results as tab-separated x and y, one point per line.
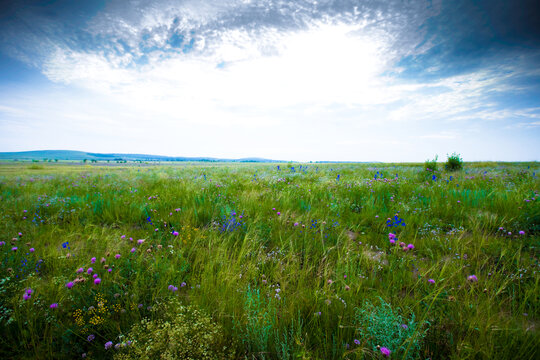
248	261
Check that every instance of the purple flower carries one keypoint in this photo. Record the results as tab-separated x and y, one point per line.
32	249
93	260
14	248
173	288
90	337
410	246
26	296
123	237
431	281
356	341
404	326
521	232
89	271
140	241
391	236
385	351
278	213
54	306
80	270
97	281
2	243
183	284
109	270
133	250
117	256
29	291
95	276
69	285
295	224
175	233
108	345
472	278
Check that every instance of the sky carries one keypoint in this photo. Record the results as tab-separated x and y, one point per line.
302	80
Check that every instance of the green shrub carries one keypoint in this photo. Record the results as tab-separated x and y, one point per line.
453	163
381	326
431	165
188	334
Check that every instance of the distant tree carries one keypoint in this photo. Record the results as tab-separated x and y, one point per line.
85	160
55	160
453	163
431	165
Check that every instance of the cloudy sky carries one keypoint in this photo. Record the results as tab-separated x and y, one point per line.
292	80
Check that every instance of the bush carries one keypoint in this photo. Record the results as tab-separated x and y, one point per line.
381	326
189	334
453	163
431	165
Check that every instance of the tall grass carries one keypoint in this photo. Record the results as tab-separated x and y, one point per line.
290	263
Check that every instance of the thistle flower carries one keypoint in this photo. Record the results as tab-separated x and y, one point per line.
521	232
431	281
385	352
90	337
93	260
80	270
175	233
410	246
356	341
69	285
133	250
108	345
117	256
97	281
472	278
54	305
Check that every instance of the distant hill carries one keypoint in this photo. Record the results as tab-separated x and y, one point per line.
81	155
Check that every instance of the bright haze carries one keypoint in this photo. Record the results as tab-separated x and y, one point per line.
290	80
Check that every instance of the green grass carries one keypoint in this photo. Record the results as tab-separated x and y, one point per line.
303	284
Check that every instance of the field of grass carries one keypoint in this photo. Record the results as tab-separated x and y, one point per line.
269	261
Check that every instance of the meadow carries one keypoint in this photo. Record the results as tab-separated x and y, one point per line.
269	261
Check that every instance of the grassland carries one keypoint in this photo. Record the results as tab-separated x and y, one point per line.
252	261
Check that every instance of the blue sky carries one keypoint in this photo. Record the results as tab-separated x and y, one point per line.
291	80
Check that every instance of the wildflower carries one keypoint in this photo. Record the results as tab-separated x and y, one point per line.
117	346
183	284
90	337
357	342
97	281
89	271
95	276
123	237
173	288
117	256
431	281
83	355
295	224
509	233
140	306
80	270
133	250
404	326
93	260
69	285
175	233
109	270
54	306
472	278
140	241
29	291
26	296
2	243
108	345
347	288
391	236
410	246
521	232
273	209
32	249
385	351
14	248
330	281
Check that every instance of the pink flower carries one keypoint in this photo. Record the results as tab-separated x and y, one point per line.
140	241
392	241
278	213
472	278
32	249
93	260
89	271
175	233
385	351
133	250
521	232
95	276
431	281
80	270
26	296
97	281
391	236
117	256
54	305
69	285
123	237
410	246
